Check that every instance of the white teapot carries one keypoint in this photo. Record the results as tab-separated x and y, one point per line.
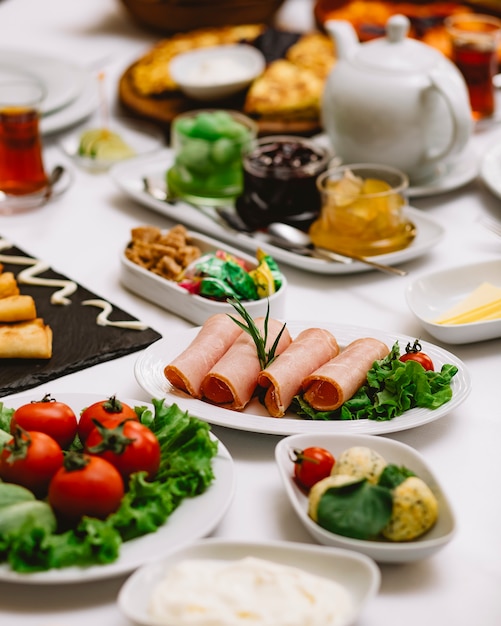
394	100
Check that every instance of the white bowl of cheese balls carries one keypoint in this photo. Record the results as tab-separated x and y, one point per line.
408	516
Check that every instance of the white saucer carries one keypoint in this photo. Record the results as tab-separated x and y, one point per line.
63	81
450	176
490	170
76	111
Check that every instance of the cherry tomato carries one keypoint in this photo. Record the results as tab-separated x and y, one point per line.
127	444
312	465
102	410
413	353
48	416
85	485
30	459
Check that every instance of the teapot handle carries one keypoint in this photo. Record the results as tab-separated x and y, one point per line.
455	94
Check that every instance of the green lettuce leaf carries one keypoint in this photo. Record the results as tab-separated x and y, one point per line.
187	450
359	510
392	388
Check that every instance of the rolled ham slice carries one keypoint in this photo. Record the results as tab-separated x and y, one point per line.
340	378
310	349
187	370
233	379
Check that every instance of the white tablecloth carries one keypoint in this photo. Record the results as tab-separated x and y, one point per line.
83	233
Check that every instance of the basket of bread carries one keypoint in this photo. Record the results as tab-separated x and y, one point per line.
172	16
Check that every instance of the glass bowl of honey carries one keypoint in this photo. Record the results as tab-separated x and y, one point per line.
362	210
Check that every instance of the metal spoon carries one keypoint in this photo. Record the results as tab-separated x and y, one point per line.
53	179
299	238
216	214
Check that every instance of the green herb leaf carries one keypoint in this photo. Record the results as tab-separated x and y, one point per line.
393	475
260	341
359	510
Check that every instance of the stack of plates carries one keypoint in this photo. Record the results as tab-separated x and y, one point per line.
72	93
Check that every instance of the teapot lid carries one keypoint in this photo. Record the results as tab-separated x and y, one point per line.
396	51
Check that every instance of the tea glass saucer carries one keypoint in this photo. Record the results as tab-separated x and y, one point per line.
11	204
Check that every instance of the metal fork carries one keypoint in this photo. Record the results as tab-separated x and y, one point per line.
491	224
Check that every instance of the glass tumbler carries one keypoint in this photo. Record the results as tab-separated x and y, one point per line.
363	210
22	171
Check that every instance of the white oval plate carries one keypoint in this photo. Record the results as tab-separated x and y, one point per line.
63	81
359	575
76	111
128	176
193	519
394	452
149	372
430	296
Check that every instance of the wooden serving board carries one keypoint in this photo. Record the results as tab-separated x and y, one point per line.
163	109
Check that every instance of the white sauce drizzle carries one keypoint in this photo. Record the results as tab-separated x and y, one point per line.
102	318
28	276
68	287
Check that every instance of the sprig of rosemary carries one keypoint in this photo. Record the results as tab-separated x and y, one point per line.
265	357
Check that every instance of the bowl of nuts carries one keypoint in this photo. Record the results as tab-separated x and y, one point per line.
195	276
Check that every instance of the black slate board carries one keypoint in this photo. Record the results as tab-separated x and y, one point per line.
78	342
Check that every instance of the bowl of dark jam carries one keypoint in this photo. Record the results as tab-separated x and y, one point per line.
279	181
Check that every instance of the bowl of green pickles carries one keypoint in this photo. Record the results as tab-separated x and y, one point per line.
208	148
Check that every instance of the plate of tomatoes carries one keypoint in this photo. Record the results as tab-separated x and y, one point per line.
84	457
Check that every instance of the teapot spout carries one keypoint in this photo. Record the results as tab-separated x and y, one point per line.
344	37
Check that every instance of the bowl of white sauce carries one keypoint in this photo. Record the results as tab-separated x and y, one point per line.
216	72
213	582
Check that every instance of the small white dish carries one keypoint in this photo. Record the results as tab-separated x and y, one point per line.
194	308
217	72
194	518
357	573
394	452
141	137
490	170
432	295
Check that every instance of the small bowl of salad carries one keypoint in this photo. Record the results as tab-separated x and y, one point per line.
196	276
96	146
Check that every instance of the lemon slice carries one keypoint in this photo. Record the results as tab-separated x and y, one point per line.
263	279
101	143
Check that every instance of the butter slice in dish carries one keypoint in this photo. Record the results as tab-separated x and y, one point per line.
481	305
461	304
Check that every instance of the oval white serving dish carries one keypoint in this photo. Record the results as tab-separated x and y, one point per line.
394	452
359	574
217	72
196	309
432	295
